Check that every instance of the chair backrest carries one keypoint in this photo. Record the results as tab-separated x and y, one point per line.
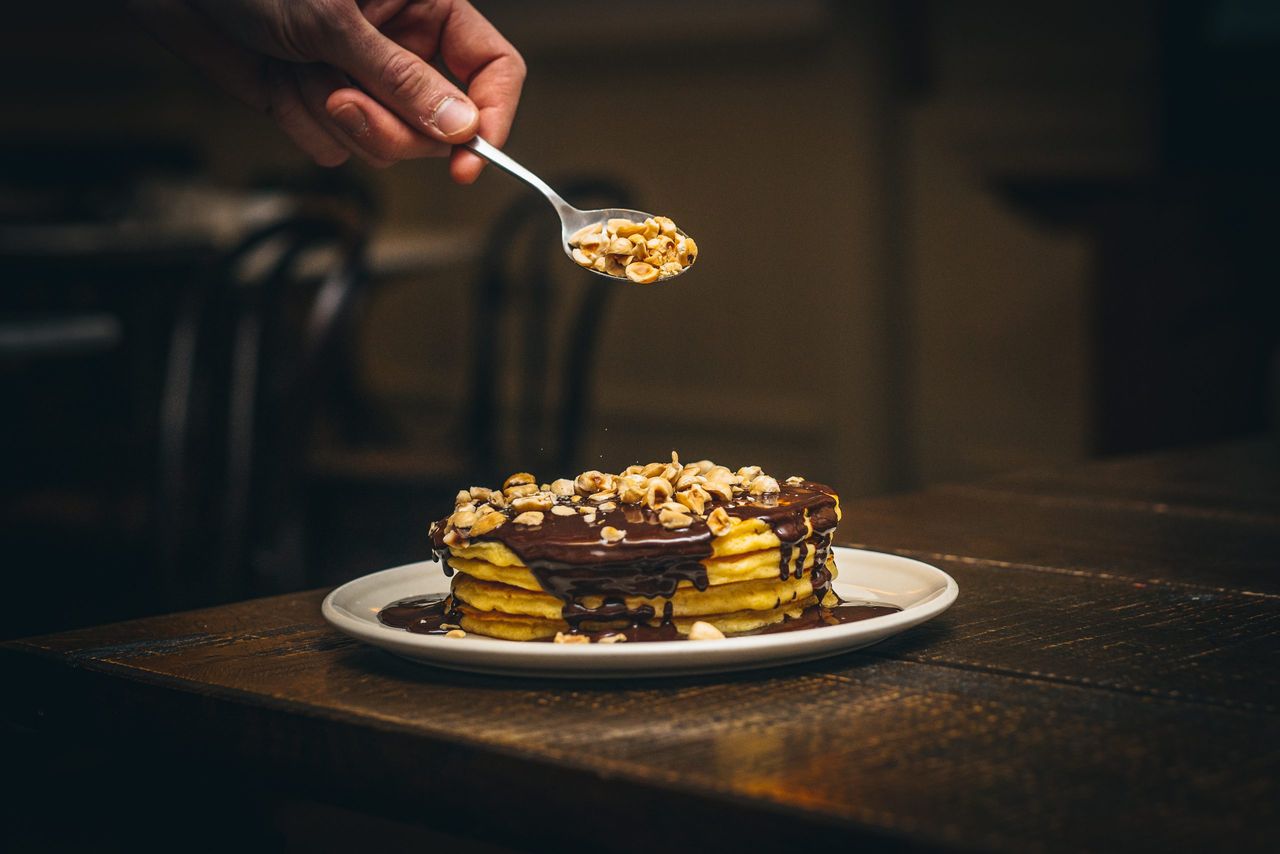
535	327
243	381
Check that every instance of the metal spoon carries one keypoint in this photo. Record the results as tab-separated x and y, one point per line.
572	220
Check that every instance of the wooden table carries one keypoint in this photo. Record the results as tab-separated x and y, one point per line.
1107	680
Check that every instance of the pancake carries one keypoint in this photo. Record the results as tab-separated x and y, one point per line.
720	570
662	546
746	536
756	595
517	627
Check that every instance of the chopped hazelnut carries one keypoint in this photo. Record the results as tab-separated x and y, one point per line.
590	482
764	485
488	522
704	631
695	498
720	522
631	488
463	518
537	501
672	520
657	491
520	490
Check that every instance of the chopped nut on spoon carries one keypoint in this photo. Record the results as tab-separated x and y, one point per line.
644	252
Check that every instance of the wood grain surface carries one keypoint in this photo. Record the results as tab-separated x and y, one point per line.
1106	681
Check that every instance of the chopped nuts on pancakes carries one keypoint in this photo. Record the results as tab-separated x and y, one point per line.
705	631
679	494
671	519
488	522
697	550
719	521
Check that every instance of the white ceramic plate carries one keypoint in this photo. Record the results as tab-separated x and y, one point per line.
922	591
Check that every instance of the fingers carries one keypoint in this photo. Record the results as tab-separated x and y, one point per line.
266	86
378	132
406	108
495	125
291	114
400	79
494	73
315	84
407	99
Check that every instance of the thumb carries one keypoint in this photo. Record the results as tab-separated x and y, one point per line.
407	85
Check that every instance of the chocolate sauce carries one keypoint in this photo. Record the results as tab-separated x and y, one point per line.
421	615
812	617
571	562
638	633
428	615
816	617
649	577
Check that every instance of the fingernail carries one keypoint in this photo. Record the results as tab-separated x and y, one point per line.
453	116
351	118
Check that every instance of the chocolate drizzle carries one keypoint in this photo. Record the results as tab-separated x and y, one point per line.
433	615
649	578
817	616
421	615
571	561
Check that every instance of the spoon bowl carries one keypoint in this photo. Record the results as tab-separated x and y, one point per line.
572	220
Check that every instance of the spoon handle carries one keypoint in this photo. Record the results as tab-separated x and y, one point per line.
495	156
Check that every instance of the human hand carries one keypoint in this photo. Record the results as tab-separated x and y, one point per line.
344	77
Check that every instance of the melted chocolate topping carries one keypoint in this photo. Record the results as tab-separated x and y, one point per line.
429	615
816	616
421	615
571	561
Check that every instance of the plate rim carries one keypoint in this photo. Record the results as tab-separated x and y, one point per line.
534	656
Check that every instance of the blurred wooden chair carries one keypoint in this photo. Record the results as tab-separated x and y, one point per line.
530	385
256	348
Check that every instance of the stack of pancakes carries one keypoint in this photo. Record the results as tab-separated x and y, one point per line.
623	554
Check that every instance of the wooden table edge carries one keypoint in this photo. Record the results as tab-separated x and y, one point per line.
747	819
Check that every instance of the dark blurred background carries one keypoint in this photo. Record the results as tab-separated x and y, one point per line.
939	240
